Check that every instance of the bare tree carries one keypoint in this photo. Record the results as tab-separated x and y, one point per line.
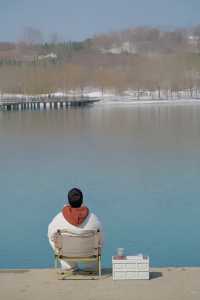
32	36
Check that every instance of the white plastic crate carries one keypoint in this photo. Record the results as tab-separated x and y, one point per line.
132	267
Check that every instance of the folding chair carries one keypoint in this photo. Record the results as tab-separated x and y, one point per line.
82	248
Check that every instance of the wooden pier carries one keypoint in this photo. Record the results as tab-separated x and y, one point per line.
22	104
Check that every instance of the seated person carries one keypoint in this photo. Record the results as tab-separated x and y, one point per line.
76	218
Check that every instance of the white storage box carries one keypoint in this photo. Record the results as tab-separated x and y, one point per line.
132	267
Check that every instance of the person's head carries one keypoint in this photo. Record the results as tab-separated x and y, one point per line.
75	198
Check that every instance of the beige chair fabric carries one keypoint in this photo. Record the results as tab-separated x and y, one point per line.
84	247
72	245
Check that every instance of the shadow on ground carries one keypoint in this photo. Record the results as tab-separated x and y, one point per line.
154	275
85	275
106	273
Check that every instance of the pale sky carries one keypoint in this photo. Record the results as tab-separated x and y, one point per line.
79	19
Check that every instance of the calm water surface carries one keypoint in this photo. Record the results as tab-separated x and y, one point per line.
139	168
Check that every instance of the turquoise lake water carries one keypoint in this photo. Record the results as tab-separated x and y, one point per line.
138	166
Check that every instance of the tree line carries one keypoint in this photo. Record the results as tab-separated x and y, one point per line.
83	64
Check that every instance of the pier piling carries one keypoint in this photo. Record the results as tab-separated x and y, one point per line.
22	104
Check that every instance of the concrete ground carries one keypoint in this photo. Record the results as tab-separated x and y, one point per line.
165	284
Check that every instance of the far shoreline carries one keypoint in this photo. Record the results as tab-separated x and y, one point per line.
60	100
141	102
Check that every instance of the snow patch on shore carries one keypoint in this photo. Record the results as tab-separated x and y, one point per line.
111	96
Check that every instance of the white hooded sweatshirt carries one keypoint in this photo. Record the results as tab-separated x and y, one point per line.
59	222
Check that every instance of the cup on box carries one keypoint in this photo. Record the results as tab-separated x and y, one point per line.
120	253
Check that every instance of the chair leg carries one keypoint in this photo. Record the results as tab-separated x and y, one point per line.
56	263
99	261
